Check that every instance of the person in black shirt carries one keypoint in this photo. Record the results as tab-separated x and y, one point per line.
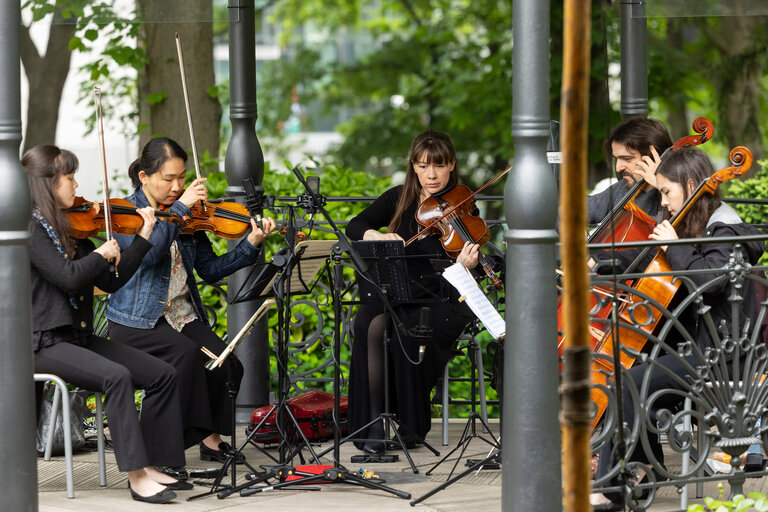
431	169
63	274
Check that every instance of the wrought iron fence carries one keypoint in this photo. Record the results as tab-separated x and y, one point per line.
693	395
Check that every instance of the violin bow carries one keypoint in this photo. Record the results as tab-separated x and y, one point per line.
103	161
189	112
456	206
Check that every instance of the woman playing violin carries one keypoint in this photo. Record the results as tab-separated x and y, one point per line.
160	311
431	169
677	176
64	272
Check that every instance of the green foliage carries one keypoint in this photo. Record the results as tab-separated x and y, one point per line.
110	42
756	501
753	188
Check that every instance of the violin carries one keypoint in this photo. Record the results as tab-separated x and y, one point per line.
226	219
87	218
451	215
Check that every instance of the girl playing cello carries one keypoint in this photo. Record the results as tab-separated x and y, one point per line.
677	176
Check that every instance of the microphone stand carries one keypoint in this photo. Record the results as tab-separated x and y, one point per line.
336	474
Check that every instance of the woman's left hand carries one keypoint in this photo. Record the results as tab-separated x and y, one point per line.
662	232
646	167
257	235
469	255
148	214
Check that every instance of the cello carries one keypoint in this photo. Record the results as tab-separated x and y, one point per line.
627	222
644	320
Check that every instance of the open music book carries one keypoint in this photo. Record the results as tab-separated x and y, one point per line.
463	281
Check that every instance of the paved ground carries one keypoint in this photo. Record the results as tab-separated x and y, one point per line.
477	491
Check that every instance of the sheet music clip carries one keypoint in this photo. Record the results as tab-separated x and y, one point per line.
309	257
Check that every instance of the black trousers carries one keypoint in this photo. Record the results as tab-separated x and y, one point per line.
205	403
117	370
660	379
410	384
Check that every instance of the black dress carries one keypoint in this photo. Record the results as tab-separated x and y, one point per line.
410	384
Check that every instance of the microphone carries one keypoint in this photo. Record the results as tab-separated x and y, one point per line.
422	331
253	200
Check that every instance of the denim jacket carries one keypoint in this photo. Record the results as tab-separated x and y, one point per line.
140	302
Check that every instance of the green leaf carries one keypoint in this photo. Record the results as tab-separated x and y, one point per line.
76	44
91	34
155	97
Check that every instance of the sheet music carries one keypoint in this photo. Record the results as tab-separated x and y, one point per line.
462	280
218	361
313	254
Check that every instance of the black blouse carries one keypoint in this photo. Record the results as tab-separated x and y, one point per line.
379	214
53	277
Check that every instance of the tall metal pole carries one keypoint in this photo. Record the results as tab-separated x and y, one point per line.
245	159
634	59
530	426
18	487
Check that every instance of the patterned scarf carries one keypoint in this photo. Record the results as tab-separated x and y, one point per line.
38	216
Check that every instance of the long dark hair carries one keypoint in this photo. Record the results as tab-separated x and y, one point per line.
639	134
683	167
155	153
45	164
435	147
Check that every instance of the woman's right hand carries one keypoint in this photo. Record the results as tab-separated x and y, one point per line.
148	214
109	251
194	193
372	234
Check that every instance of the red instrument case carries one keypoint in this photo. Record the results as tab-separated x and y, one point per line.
314	412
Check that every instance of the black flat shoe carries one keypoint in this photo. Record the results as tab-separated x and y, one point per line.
219	455
178	485
177	472
163	496
373	447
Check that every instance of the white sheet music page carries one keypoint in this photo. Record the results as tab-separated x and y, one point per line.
462	280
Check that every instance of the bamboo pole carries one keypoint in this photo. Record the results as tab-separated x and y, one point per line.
576	376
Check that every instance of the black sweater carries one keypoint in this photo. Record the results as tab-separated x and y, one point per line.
53	277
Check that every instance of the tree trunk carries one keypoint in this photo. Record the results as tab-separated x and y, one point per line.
161	76
46	76
742	43
676	99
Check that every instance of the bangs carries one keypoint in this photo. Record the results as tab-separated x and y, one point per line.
434	152
65	163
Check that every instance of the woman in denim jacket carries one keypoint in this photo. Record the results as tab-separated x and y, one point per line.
160	311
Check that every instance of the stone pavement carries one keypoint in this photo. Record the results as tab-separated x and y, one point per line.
477	491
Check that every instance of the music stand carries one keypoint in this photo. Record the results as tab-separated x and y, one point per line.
386	280
300	267
277	279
